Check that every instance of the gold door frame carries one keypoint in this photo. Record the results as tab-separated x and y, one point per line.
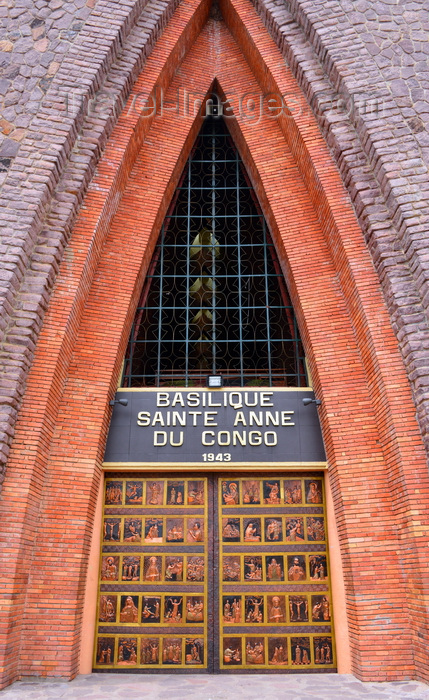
126	641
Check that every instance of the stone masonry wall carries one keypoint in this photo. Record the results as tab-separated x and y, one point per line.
364	68
66	69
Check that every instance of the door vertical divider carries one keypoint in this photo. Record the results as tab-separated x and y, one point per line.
213	578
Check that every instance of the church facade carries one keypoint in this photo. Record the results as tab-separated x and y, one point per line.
234	192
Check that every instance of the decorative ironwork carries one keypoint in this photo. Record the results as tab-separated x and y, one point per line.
214	300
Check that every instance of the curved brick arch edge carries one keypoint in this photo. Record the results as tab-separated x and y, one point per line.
74	447
377	150
58	184
49	176
28	461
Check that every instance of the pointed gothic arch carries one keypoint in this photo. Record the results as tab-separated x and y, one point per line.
214	300
323	256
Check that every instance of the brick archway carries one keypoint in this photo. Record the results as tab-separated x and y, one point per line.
367	415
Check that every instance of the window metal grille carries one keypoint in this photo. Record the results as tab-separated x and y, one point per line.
214	300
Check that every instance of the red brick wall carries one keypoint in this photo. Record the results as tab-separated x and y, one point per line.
376	461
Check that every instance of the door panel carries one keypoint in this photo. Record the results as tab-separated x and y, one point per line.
214	574
152	607
274	595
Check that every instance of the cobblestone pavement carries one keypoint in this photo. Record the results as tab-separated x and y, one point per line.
98	686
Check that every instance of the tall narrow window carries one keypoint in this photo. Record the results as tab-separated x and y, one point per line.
214	300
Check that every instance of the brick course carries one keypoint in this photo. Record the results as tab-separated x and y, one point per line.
359	66
373	442
336	50
41	195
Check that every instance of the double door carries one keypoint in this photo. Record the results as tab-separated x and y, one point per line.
215	574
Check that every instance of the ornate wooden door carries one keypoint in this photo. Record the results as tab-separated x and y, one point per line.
214	574
274	603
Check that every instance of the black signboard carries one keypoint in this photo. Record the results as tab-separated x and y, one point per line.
199	426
